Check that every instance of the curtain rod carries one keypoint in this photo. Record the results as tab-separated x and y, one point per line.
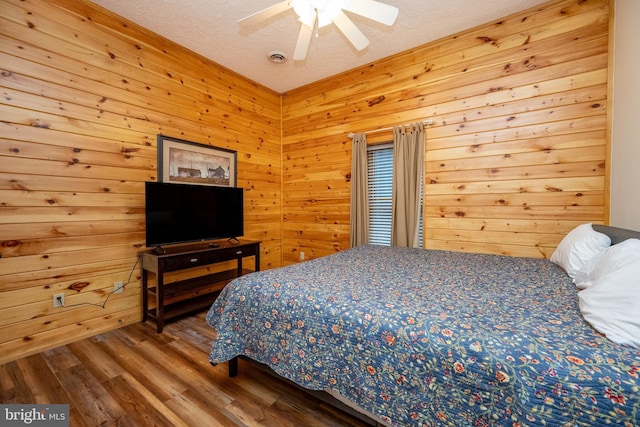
424	122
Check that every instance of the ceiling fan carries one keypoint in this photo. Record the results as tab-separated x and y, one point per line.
315	14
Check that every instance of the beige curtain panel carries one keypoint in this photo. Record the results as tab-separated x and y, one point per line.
359	214
408	164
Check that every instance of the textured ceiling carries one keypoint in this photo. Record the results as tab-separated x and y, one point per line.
210	28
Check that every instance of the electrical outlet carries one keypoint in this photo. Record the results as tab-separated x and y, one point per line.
118	287
58	300
301	255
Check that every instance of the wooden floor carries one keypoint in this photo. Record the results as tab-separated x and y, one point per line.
135	377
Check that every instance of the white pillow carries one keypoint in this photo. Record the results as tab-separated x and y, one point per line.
611	304
579	246
612	258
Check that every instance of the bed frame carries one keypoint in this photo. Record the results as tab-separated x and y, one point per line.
617	235
320	395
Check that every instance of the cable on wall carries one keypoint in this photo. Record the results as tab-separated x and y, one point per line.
103	305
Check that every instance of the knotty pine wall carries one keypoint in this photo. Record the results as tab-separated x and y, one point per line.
517	155
84	95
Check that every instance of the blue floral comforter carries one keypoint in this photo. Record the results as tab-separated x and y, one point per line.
433	338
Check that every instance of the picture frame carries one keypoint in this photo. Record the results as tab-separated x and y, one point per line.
186	162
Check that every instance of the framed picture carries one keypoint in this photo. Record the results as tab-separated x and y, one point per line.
188	162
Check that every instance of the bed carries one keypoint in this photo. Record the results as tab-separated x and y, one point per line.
418	337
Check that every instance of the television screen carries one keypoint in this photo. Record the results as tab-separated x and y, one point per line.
179	213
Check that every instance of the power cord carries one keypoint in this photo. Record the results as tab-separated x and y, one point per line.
104	304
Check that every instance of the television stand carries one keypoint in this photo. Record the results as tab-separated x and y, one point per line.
161	302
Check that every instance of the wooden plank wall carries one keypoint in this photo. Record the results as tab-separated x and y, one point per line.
516	156
515	159
84	95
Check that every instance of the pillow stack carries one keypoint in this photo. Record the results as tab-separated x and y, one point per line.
578	247
609	281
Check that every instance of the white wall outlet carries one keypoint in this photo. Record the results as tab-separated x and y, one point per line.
58	300
118	287
301	255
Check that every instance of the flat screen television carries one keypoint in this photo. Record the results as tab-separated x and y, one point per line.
181	213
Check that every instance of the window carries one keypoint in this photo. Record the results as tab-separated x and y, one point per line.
380	178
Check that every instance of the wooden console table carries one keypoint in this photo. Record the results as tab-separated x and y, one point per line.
185	296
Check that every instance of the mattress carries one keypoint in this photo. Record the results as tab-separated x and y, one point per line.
424	337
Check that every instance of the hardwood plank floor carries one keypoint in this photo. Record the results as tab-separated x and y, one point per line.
135	377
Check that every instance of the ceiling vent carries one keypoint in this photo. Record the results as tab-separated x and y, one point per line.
277	57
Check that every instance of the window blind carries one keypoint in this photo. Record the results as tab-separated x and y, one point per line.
380	177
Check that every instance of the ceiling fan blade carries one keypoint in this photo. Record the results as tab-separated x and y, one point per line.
373	10
302	45
350	31
265	14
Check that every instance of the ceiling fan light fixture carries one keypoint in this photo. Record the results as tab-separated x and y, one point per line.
315	14
324	10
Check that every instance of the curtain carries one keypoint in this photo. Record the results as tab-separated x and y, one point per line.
359	215
408	164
